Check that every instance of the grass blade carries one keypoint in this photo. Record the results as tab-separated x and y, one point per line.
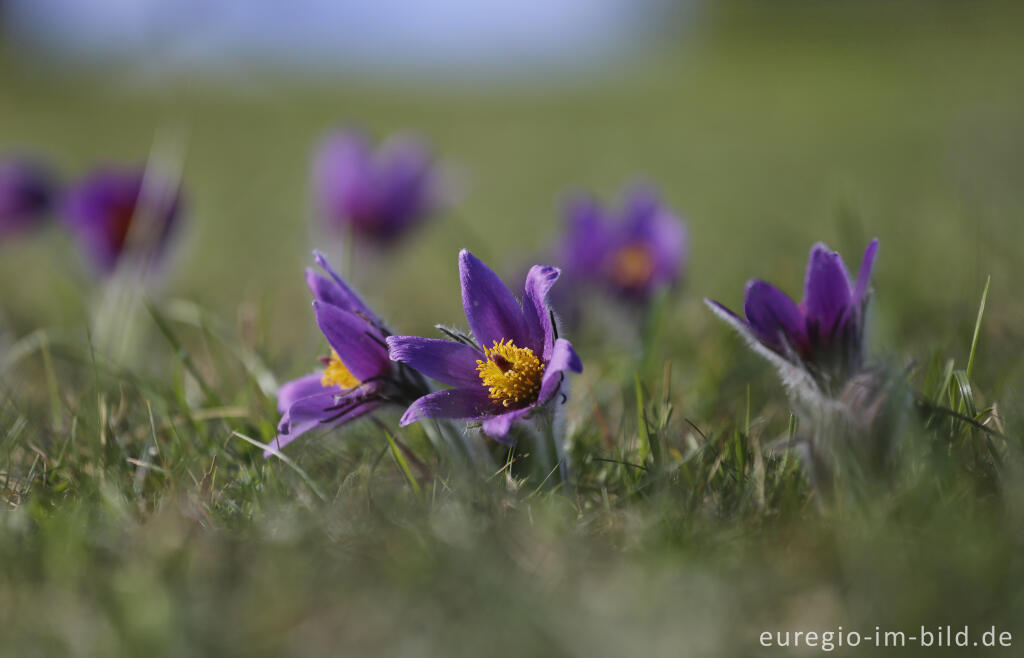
403	465
283	457
977	328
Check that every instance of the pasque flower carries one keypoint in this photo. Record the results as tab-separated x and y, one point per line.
358	377
377	194
118	213
633	253
26	195
516	366
819	342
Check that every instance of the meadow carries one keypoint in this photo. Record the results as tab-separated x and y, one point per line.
142	518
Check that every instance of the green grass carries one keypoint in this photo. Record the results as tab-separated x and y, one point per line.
142	520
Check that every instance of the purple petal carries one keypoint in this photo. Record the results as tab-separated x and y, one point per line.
826	289
306	416
773	317
535	309
446	361
378	194
27	192
736	321
354	339
337	292
326	291
325	406
310	408
650	222
563	357
668	241
746	331
296	389
498	427
491	308
294	432
461	403
407	182
586	239
864	276
342	176
642	203
113	211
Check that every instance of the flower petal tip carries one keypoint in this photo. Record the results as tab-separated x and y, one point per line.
549	272
727	315
575	362
819	247
394	344
409	417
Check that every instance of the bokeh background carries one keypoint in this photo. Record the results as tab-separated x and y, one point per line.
769	126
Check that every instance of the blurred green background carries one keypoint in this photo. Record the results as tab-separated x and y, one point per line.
769	126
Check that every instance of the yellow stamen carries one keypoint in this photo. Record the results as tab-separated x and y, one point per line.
513	374
337	374
632	266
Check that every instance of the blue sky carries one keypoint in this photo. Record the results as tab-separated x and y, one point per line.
402	35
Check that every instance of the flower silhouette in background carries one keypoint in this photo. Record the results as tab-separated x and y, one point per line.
359	377
517	364
27	195
849	412
120	215
376	195
819	343
633	253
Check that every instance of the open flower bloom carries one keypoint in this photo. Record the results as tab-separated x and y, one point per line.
122	213
518	367
819	341
358	378
26	195
634	255
378	195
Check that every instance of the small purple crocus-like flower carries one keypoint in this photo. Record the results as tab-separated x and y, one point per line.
26	195
520	362
358	378
118	213
635	254
376	194
819	342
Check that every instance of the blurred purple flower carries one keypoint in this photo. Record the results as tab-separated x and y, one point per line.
634	255
122	213
26	195
358	378
522	362
377	194
822	338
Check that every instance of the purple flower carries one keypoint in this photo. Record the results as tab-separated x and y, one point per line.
378	195
117	213
26	195
634	254
821	338
358	378
518	367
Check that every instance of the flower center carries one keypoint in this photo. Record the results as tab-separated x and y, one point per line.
632	266
513	374
337	374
